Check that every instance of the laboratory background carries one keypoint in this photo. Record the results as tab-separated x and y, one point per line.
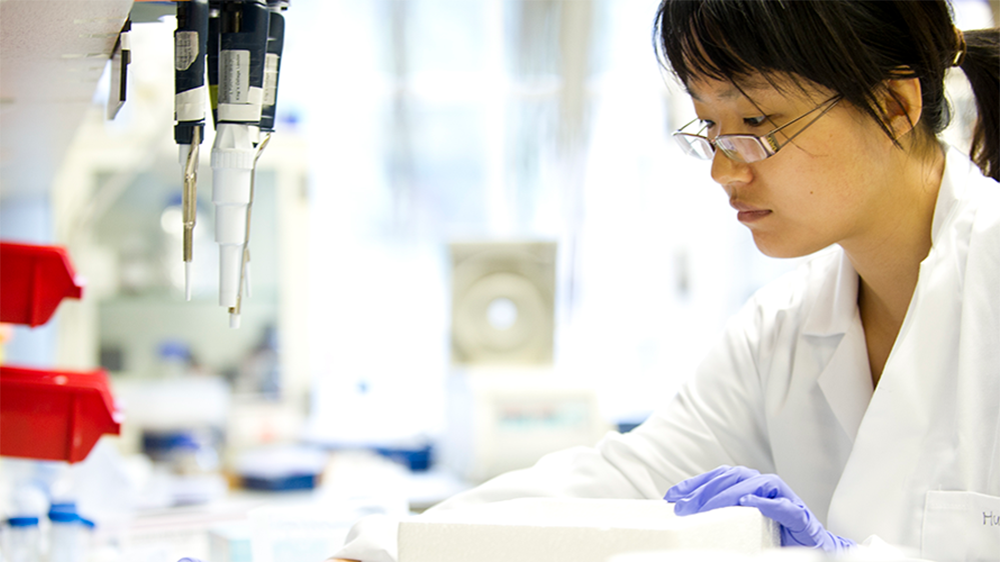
464	239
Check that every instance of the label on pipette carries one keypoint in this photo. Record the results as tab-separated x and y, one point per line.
185	49
270	79
234	79
190	105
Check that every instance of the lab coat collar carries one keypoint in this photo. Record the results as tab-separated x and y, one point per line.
837	299
958	170
844	378
849	396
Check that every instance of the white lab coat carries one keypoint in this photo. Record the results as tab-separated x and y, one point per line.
788	390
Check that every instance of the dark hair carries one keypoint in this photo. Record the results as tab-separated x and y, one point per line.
851	47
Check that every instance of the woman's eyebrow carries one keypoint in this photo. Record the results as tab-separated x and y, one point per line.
727	94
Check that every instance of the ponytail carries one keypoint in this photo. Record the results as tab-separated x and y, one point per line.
981	64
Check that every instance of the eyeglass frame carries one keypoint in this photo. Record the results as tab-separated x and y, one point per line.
770	147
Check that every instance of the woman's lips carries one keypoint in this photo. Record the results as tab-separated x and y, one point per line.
751	216
748	213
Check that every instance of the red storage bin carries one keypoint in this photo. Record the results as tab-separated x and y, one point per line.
33	281
54	415
46	414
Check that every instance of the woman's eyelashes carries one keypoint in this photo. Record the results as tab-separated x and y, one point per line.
757	121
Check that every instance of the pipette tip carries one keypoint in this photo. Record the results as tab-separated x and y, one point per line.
246	279
187	280
234	320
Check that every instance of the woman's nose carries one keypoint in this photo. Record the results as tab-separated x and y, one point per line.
725	170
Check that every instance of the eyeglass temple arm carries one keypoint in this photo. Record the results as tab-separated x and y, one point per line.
772	141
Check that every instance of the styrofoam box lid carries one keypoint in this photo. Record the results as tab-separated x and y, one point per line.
577	530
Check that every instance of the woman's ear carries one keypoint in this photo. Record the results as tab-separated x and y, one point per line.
903	105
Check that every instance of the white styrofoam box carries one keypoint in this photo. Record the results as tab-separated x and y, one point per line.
577	530
792	554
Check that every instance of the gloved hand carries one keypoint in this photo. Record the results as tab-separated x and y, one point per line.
727	486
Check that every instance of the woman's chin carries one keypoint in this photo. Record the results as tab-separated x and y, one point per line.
782	248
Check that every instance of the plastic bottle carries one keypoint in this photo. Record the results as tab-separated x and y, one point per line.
69	534
21	540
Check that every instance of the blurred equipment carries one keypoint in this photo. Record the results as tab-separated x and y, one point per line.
503	303
180	423
505	408
240	43
505	420
281	468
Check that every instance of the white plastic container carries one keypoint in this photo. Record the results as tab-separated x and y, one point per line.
21	540
69	537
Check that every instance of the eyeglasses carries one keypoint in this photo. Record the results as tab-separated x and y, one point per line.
745	148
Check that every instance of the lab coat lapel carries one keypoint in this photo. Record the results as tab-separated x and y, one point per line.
908	440
816	416
845	380
977	424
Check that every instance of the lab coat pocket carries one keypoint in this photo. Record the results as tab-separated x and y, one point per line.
961	526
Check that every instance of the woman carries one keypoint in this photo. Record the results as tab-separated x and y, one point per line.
857	399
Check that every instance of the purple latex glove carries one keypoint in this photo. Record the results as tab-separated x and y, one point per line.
728	486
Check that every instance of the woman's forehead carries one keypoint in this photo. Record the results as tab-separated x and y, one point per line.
755	88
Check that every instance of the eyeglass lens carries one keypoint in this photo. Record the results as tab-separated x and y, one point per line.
696	146
744	149
741	149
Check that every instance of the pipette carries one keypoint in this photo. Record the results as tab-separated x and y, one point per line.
272	69
189	204
272	62
234	311
243	29
190	42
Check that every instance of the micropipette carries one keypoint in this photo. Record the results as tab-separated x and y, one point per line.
234	311
243	30
190	46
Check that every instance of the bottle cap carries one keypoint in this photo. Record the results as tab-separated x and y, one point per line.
64	517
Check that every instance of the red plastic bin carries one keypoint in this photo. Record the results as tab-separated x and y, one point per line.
33	281
54	415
